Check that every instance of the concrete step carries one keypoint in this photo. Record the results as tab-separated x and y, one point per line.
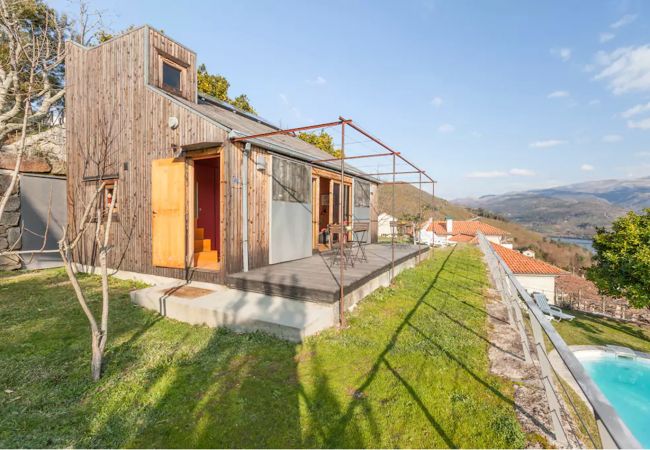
240	311
201	245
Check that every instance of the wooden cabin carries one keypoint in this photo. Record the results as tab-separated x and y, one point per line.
186	192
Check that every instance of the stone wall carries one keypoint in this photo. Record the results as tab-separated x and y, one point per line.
44	154
10	223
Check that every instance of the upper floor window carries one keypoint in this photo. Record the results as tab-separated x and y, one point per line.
171	76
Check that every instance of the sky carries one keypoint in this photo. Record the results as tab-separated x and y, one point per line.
486	96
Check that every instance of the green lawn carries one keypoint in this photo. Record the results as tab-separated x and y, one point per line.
587	329
410	371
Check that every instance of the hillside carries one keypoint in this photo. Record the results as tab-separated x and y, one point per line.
566	256
572	210
406	203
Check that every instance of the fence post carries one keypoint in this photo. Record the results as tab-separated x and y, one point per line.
551	395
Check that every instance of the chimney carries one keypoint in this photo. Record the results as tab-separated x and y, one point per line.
450	225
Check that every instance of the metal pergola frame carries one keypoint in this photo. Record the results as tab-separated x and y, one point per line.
342	122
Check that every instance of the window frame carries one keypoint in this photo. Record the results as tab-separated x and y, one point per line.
181	80
294	196
109	186
361	193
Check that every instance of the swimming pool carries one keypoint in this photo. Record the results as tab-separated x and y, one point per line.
626	384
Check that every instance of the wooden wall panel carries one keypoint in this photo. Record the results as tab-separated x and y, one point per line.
160	44
258	214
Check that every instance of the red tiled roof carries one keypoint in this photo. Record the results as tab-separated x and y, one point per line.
521	264
469	227
463	238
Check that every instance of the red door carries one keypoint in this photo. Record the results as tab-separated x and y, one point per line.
206	172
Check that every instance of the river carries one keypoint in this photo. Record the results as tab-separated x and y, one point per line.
586	243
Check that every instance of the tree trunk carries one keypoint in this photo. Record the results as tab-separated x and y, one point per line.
97	356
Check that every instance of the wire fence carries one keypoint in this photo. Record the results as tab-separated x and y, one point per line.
528	318
618	309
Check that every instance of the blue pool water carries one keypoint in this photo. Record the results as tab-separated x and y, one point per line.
626	384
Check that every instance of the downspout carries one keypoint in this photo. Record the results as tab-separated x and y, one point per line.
244	206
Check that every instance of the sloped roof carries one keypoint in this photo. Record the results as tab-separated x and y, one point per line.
521	264
247	124
464	238
469	227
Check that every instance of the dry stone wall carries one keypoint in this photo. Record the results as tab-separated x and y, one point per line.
10	237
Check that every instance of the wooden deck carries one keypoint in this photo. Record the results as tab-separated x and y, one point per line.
313	279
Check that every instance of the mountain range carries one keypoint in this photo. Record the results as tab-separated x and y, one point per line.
409	202
572	210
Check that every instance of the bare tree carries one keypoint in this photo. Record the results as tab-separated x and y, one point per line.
94	227
94	213
34	42
89	25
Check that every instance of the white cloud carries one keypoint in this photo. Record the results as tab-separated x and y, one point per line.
521	172
291	107
606	37
587	167
488	174
548	143
594	102
558	94
642	154
437	102
318	81
623	21
563	53
612	138
626	69
446	128
635	110
643	124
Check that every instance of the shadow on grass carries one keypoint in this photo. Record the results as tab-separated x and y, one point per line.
621	327
341	425
171	385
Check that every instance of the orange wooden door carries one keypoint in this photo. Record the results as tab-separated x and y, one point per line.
168	209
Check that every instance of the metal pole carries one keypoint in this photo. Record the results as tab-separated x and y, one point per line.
433	210
289	131
419	218
341	234
392	234
244	205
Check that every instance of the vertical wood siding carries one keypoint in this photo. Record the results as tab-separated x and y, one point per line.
160	44
106	96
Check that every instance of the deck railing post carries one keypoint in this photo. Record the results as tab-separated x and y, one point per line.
433	208
420	217
342	234
547	381
392	234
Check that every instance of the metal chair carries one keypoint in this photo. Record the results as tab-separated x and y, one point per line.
335	254
359	233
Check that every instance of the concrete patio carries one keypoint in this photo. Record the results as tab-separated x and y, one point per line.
291	300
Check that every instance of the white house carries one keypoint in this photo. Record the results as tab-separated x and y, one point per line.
529	253
383	224
533	274
450	232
